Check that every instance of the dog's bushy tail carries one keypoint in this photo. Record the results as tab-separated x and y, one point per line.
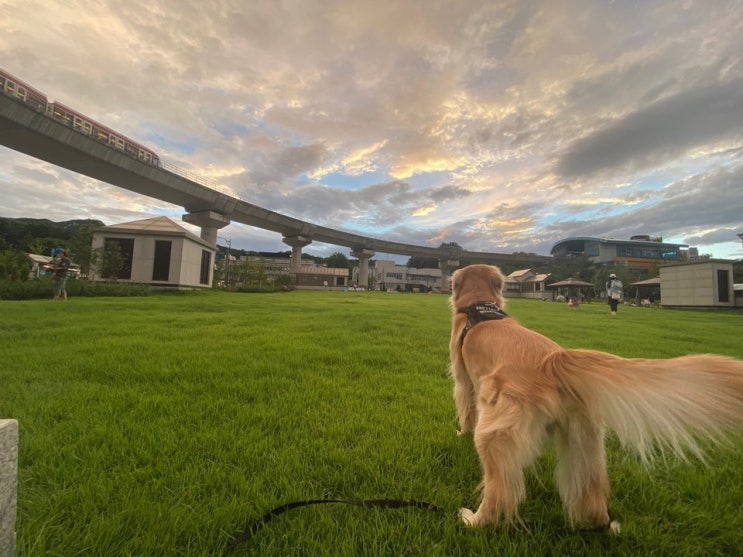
652	405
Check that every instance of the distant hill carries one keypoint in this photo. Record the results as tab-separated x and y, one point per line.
41	235
22	233
46	222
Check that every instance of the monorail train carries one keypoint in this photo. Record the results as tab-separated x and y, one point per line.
14	87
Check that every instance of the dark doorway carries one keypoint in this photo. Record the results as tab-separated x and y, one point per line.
206	263
723	285
161	265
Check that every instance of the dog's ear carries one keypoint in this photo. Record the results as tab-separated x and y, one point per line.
497	280
497	283
456	284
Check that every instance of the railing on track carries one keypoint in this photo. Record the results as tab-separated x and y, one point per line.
188	175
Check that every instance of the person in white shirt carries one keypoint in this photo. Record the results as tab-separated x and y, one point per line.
614	292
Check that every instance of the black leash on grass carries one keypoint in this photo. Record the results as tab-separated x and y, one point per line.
253	529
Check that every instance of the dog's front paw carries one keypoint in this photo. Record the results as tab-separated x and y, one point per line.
468	517
615	527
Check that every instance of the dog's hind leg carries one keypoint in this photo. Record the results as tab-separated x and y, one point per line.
464	397
507	440
581	474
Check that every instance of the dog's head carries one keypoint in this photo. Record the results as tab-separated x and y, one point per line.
476	284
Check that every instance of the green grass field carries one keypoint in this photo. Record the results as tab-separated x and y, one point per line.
163	425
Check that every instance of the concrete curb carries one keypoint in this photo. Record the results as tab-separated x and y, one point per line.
8	485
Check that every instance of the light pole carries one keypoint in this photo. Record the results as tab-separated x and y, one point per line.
227	260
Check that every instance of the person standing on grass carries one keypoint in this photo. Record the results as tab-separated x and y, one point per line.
61	267
614	291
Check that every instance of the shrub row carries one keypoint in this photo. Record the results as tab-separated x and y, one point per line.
42	288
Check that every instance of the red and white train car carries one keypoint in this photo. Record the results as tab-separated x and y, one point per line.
98	131
14	87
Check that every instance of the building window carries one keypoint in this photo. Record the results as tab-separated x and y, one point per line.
206	263
723	286
161	264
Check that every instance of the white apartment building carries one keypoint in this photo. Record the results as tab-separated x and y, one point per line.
390	276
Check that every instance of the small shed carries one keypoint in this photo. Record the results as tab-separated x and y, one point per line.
39	266
706	283
156	251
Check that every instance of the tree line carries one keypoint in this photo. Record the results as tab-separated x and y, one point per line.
27	235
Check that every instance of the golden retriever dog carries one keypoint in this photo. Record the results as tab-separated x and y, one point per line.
516	389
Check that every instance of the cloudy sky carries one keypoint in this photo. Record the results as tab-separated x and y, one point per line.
501	125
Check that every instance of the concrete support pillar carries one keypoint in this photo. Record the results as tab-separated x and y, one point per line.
364	255
210	223
297	242
447	266
8	485
210	235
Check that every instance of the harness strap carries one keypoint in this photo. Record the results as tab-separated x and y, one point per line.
485	311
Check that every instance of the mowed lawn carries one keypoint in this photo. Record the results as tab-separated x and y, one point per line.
164	425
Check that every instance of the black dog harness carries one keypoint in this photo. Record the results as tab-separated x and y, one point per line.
485	311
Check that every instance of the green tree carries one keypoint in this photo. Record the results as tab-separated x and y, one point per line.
451	247
14	265
283	281
219	276
417	262
738	271
80	247
653	270
338	261
573	267
247	272
38	247
109	260
258	275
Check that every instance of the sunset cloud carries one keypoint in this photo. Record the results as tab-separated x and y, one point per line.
502	126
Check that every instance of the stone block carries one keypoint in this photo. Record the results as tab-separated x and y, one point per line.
8	485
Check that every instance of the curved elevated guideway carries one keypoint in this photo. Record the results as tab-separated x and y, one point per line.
31	132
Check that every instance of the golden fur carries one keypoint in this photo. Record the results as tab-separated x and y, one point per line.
515	388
